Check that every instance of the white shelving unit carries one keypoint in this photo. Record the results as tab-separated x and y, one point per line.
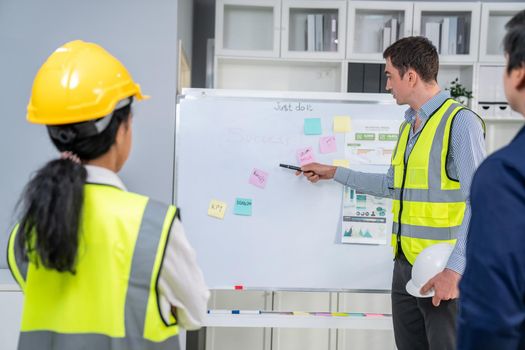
263	44
433	19
494	16
372	17
313	29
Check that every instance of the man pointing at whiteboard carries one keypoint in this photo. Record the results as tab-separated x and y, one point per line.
440	145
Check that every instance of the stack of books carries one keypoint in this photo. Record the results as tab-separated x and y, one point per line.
321	32
450	36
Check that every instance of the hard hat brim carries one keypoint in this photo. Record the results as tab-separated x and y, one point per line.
416	291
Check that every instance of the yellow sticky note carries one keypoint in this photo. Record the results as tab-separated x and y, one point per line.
341	162
217	209
342	124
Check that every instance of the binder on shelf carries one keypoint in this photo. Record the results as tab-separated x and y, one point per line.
392	24
445	32
452	37
372	78
319	32
297	36
432	32
463	36
382	81
330	32
356	75
310	32
386	34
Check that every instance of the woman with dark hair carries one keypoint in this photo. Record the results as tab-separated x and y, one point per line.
100	267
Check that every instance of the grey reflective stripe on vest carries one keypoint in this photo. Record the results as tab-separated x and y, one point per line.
136	300
142	266
424	232
434	193
21	263
430	195
435	164
46	340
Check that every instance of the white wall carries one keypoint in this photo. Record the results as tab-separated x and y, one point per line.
142	34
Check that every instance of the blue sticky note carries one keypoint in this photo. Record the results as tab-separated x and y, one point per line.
243	206
312	126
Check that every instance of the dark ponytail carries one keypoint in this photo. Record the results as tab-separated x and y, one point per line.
52	201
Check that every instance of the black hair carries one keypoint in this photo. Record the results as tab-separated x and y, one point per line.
51	203
417	53
514	41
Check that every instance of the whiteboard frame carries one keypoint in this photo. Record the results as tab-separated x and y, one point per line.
229	94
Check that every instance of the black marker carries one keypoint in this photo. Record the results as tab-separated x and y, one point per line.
287	166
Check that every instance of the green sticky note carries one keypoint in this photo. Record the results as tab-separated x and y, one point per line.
312	126
243	206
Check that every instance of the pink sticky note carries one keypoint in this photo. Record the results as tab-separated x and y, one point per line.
327	144
305	156
258	178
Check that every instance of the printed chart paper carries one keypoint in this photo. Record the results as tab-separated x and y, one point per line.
365	218
371	142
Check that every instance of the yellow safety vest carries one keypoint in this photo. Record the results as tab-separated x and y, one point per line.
112	300
428	205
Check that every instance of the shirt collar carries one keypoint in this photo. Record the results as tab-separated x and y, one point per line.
428	108
103	176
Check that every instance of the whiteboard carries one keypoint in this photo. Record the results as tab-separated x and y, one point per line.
292	239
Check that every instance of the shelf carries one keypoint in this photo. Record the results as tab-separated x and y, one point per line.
449	72
238	23
281	75
296	321
313	29
453	30
383	23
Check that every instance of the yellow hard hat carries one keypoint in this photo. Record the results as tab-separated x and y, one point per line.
79	82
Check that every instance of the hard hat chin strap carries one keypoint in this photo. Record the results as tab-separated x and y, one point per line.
69	133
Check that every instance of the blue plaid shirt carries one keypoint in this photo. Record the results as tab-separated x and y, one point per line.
467	151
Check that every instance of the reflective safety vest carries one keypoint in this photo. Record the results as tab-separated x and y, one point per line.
428	204
112	300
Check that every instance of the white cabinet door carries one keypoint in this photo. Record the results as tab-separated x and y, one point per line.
304	339
248	28
374	25
313	29
494	16
453	28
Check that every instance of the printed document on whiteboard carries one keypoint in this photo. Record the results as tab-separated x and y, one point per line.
371	142
366	218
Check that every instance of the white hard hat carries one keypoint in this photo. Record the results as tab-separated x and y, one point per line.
429	263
